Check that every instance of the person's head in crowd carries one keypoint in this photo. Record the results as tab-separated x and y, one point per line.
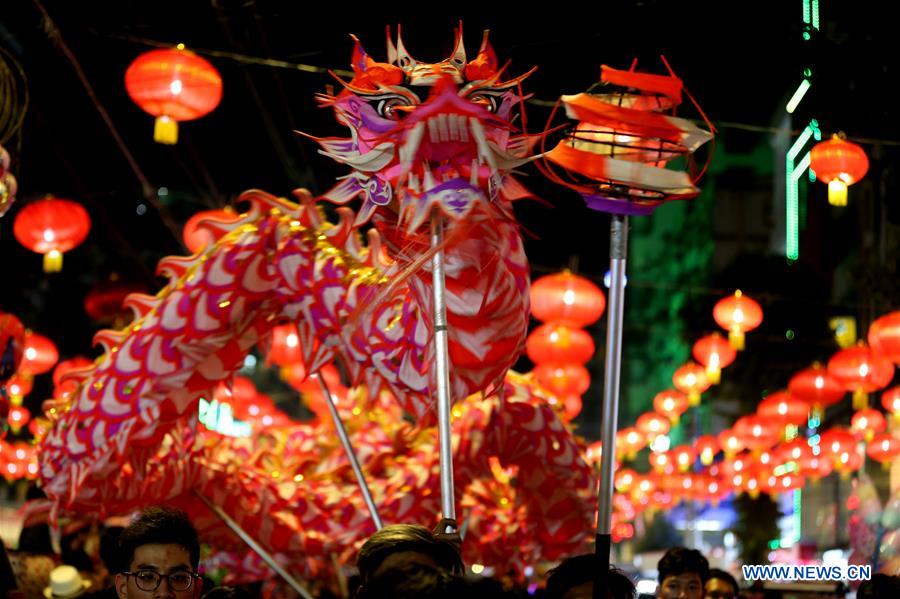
109	549
73	549
412	580
228	593
720	585
36	539
880	586
574	579
400	544
682	574
161	552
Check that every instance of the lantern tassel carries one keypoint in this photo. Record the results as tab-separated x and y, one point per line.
53	261
860	400
165	130
693	399
736	339
714	374
837	193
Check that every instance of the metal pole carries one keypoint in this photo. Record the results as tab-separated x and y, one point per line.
442	369
618	252
267	557
351	455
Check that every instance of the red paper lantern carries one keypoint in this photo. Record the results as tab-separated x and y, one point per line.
866	423
50	227
661	462
730	442
12	345
691	380
670	403
838	163
40	355
18	417
624	480
860	370
285	346
103	303
17	387
563	379
795	450
884	336
890	400
817	387
39	427
629	441
684	456
715	353
737	314
706	446
784	408
567	299
572	405
196	238
173	85
554	342
884	448
837	440
651	425
756	433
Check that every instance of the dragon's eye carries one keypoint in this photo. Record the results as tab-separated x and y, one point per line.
486	101
388	108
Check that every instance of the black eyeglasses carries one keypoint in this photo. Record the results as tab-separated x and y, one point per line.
148	580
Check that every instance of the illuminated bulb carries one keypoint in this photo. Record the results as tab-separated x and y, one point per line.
863	370
292	340
477	568
20	453
175	87
820	382
49	235
31	353
267	420
254	410
737	315
554	337
782	409
569	297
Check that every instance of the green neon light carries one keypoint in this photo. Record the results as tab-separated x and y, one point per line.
798	145
792	193
807	12
798	515
798	96
815	14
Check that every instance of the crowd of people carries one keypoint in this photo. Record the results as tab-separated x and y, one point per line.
158	556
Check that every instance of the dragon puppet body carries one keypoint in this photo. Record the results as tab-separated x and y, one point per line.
424	138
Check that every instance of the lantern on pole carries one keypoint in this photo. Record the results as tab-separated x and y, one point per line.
173	85
737	314
715	353
838	163
50	227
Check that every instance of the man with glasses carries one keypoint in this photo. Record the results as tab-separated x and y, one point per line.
162	552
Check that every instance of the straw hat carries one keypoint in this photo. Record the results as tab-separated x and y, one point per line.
65	583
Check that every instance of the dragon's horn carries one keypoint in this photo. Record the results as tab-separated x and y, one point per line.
391	48
458	58
360	56
404	60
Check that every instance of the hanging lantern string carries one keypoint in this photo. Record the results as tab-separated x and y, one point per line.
149	193
697	290
307	68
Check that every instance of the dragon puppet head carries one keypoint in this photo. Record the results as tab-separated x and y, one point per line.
427	135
